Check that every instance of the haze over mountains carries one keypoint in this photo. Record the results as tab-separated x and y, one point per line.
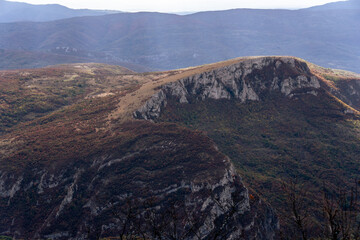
349	5
326	35
19	12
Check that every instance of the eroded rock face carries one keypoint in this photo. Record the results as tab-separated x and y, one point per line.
349	92
248	80
164	170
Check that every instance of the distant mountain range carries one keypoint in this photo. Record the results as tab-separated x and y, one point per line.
18	12
326	35
350	5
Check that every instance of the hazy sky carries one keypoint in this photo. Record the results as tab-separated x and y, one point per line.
179	5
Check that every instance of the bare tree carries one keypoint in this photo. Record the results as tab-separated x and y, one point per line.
341	208
146	220
331	214
298	209
126	215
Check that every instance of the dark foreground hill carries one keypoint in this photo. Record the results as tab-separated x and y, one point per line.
74	166
277	122
327	37
75	163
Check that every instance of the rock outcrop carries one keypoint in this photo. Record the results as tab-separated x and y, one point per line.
348	91
248	80
163	179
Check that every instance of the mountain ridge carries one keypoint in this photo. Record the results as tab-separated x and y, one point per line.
167	168
276	126
349	4
224	85
87	136
191	40
19	12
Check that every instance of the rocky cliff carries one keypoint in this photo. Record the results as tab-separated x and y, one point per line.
86	170
162	181
277	118
249	80
348	91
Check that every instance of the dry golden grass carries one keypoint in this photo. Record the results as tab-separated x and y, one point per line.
132	89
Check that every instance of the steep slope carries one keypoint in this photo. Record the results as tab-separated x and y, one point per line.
247	81
161	165
276	119
168	41
342	84
76	170
21	12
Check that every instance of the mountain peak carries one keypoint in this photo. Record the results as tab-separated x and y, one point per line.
247	80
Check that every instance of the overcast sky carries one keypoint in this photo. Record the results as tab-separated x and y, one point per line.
179	5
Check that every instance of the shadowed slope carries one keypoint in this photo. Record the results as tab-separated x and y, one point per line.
69	172
276	119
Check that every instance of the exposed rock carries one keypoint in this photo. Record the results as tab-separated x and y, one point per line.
349	92
247	81
173	169
9	186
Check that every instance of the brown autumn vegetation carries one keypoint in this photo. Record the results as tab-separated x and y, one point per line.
57	115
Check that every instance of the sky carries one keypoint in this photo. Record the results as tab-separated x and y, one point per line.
180	5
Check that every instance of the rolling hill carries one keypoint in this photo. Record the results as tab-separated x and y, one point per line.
85	139
22	12
166	41
342	5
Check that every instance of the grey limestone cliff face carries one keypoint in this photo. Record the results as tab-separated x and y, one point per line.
247	80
